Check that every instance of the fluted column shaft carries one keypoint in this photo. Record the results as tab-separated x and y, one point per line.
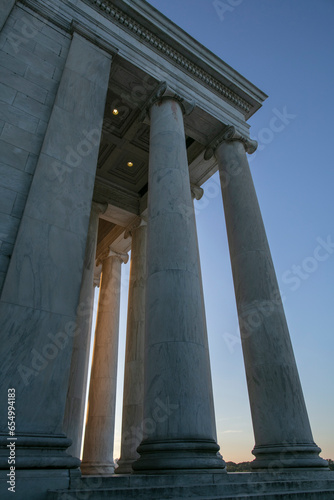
179	423
283	436
99	434
132	418
76	394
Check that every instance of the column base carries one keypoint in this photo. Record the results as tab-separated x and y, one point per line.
178	457
37	451
97	469
288	457
124	466
34	484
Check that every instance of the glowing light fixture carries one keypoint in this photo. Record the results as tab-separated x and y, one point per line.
115	111
130	164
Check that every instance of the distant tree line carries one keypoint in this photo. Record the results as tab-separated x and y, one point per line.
246	466
241	467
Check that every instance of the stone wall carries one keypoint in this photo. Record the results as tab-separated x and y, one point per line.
32	57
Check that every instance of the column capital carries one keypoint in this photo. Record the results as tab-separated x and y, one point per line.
97	280
164	91
229	134
139	222
112	253
196	191
99	208
124	257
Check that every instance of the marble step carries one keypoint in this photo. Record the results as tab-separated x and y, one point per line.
228	489
202	479
146	494
297	495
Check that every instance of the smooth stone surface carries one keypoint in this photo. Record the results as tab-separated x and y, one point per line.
75	402
132	417
178	403
99	434
279	414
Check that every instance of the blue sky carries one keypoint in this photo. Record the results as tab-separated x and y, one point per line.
285	47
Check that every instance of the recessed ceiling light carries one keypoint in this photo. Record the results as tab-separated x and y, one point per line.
115	111
130	164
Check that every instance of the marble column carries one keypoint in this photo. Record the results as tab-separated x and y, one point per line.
283	437
99	434
41	293
76	393
179	422
132	417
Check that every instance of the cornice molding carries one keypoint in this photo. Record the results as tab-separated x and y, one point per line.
52	15
229	134
147	36
87	33
49	13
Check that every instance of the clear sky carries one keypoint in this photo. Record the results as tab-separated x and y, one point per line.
285	47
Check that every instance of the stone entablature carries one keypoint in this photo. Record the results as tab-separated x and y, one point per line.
168	51
133	33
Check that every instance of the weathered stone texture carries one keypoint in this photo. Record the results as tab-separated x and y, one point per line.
41	289
5	8
32	58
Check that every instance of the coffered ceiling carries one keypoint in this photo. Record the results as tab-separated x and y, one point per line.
122	170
